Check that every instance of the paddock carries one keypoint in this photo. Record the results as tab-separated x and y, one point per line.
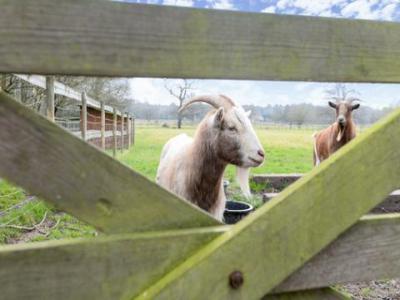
313	235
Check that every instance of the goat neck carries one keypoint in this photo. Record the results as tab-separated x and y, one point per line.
204	186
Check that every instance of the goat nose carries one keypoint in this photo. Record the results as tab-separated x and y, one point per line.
261	153
341	120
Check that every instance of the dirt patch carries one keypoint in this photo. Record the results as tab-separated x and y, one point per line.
41	230
373	290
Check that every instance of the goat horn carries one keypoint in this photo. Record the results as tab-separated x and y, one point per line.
215	101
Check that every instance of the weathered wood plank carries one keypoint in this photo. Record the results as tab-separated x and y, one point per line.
84	116
129	123
122	131
114	130
391	204
102	126
367	251
64	170
80	38
320	294
286	232
50	97
276	181
108	267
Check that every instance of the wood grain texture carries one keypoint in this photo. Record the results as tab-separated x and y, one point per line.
84	116
276	181
391	204
102	126
129	131
50	97
122	130
367	251
286	232
114	129
120	39
126	264
112	267
64	170
319	294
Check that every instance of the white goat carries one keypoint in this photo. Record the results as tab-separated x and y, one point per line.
193	167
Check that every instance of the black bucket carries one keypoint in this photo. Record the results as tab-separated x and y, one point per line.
235	211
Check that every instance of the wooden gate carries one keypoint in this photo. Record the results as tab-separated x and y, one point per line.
156	245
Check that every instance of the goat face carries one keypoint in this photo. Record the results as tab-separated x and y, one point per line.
343	114
236	140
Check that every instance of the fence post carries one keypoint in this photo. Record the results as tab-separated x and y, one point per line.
103	126
122	131
114	132
84	116
133	130
50	97
3	83
128	120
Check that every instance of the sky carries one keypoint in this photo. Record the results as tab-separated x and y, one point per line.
152	90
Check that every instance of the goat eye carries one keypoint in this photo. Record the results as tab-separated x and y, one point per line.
232	128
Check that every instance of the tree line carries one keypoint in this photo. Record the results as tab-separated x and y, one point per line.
293	114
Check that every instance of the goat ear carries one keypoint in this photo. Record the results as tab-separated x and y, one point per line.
219	115
248	113
355	106
332	104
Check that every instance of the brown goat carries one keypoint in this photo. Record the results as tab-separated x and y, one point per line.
330	139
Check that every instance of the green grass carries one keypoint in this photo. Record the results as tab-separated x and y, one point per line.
287	151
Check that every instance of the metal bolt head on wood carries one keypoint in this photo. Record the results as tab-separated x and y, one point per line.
236	280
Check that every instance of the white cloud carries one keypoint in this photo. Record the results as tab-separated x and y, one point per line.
150	90
187	3
269	9
388	12
221	4
371	10
360	9
310	7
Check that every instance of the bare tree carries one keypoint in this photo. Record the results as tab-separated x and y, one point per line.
181	91
340	92
115	92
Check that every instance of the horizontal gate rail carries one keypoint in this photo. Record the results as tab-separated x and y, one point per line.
285	233
370	250
125	264
120	39
107	267
53	164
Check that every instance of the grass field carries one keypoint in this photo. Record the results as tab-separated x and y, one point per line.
24	218
287	151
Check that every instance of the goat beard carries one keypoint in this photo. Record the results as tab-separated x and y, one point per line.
340	134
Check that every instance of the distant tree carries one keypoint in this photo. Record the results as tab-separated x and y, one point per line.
297	114
112	91
181	91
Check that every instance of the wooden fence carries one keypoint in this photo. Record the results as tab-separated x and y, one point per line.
96	124
155	245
